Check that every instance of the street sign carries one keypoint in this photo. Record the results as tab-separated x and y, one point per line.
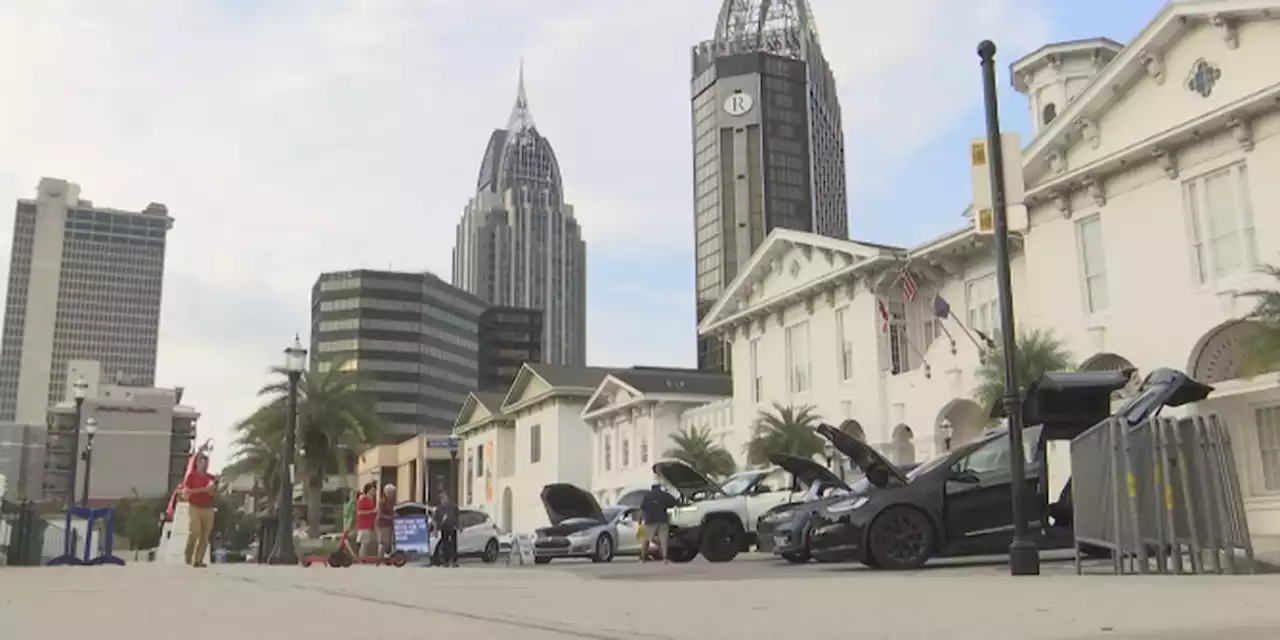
1014	184
443	443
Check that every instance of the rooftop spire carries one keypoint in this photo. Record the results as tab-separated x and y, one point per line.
521	118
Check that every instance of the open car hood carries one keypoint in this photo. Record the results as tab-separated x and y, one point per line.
807	471
688	481
563	501
879	472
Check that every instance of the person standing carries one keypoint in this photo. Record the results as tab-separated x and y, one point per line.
656	521
386	520
198	488
366	542
447	521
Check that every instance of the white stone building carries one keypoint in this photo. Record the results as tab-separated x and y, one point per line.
634	413
1148	192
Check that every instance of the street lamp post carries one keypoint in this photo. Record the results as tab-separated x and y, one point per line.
1024	557
453	467
947	430
79	387
295	362
90	429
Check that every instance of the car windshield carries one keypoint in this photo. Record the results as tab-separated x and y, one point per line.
578	521
611	512
740	482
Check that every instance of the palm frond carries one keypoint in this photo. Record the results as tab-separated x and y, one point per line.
785	430
1038	352
697	447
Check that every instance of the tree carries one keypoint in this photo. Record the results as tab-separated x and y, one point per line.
695	447
1038	352
1264	345
336	420
785	430
138	521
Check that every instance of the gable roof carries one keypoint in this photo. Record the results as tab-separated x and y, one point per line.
490	401
561	379
649	380
1141	57
779	241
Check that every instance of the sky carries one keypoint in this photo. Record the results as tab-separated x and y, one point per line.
289	138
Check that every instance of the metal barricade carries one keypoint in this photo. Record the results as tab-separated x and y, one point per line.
1163	493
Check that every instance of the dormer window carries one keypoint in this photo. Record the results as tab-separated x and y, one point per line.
1049	112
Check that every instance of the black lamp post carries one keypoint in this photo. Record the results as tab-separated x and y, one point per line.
454	441
947	430
79	387
295	362
90	428
1024	557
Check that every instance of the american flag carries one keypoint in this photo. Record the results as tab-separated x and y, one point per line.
909	288
884	316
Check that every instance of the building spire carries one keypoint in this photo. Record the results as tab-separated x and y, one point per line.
521	118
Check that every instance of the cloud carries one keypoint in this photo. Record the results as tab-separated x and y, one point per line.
292	138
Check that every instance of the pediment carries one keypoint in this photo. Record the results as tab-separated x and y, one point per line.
1192	60
527	384
787	260
611	393
477	409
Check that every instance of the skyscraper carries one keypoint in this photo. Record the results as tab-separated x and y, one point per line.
768	145
518	243
84	284
412	337
509	337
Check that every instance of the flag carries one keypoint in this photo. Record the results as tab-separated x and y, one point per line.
941	308
909	288
884	316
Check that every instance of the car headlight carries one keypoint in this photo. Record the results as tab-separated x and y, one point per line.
843	506
777	517
576	535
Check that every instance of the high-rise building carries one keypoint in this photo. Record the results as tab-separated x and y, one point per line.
509	337
412	336
518	243
768	145
84	284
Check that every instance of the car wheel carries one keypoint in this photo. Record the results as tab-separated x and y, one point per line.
541	560
490	552
604	549
338	559
721	540
796	557
681	555
399	559
901	538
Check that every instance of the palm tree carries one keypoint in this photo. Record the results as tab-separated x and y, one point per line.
785	430
336	420
1038	351
1264	345
259	439
696	447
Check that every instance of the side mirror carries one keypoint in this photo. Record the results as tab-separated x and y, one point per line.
964	477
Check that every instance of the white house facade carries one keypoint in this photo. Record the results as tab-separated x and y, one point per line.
1147	190
633	415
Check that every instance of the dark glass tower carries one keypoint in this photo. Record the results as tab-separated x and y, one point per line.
768	145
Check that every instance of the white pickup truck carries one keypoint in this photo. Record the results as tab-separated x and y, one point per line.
719	521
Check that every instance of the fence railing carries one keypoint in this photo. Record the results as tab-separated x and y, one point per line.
1161	495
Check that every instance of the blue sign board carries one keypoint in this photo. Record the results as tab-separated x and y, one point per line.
445	443
412	534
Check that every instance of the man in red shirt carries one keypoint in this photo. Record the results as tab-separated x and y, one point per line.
198	488
366	517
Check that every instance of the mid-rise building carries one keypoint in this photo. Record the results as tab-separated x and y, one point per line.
84	284
142	441
518	243
22	452
509	337
412	336
768	144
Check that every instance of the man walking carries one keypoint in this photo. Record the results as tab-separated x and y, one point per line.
386	521
366	542
447	522
656	521
198	488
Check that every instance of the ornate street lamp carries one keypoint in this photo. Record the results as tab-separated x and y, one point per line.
79	387
90	429
947	430
295	363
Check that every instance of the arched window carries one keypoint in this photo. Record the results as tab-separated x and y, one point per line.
1049	112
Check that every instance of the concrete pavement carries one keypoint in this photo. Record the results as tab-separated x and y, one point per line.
749	598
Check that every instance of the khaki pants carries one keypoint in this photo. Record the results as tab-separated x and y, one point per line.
198	532
386	540
366	543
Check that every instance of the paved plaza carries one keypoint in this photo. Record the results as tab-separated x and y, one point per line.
752	597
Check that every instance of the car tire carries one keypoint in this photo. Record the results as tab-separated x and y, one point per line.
900	538
681	555
490	552
796	557
721	540
604	549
